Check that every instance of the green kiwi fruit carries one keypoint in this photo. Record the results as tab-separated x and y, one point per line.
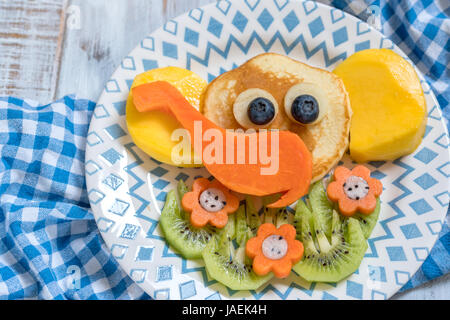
241	224
284	217
329	259
178	231
253	218
182	188
334	245
224	245
230	266
276	216
368	222
321	206
248	217
301	216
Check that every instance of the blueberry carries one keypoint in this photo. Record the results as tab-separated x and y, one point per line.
261	111
305	109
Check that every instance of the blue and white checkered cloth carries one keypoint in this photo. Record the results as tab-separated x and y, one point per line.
47	231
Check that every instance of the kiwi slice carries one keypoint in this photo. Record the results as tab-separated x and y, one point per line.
182	189
178	231
284	217
368	222
321	206
241	224
334	245
276	216
248	217
225	237
301	214
230	266
253	218
329	259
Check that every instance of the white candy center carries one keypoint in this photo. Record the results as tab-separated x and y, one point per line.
212	200
356	187
274	247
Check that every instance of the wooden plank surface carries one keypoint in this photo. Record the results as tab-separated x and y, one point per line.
50	48
109	30
30	35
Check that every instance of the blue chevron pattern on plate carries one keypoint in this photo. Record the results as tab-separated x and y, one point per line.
127	188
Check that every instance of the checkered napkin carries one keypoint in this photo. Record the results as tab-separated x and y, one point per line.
48	236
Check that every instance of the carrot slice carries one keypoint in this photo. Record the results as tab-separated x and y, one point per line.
347	206
199	215
280	267
294	162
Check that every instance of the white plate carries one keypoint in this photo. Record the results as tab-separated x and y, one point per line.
127	188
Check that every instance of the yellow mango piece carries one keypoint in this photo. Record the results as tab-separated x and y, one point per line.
152	131
389	109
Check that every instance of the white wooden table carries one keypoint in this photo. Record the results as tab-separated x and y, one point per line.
50	48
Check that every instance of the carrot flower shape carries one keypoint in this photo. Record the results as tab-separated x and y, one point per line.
354	190
274	250
209	202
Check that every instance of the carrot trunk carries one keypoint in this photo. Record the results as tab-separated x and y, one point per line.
294	163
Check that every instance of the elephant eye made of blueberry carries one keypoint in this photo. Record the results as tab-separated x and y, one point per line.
255	108
305	103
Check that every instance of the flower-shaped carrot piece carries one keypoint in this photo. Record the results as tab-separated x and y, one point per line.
354	190
274	250
209	202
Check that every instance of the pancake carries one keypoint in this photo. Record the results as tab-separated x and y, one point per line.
327	140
